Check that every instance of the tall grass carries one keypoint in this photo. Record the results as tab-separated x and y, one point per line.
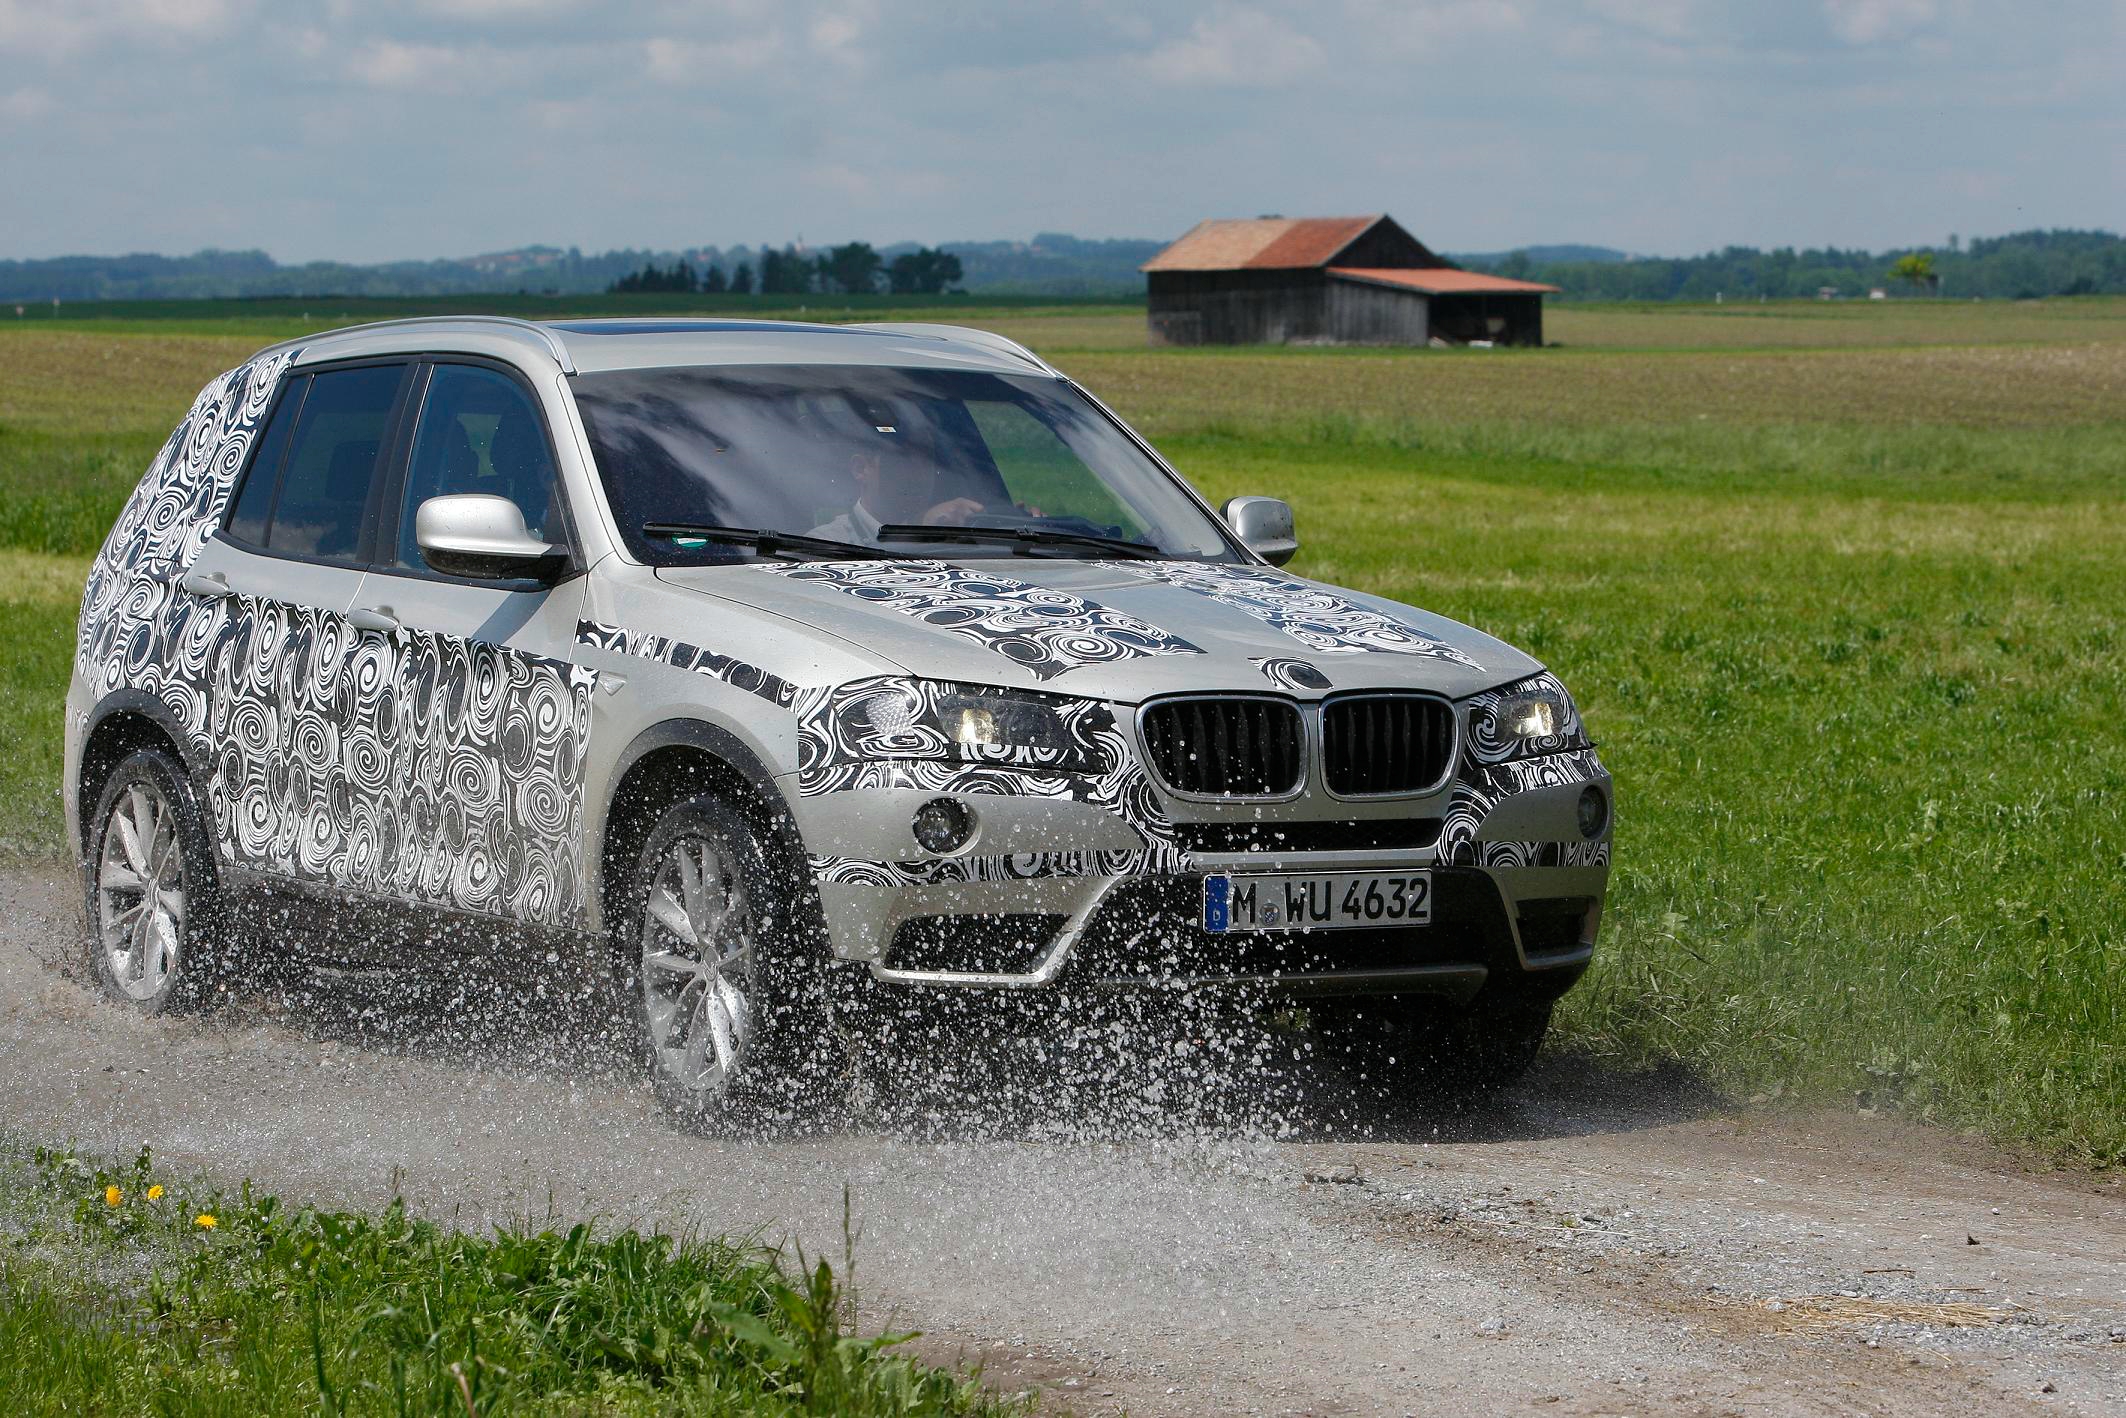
39	597
120	1292
1928	463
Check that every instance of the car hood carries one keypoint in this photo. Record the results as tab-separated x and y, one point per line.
1116	630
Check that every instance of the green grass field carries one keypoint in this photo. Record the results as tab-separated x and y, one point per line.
124	1290
1837	586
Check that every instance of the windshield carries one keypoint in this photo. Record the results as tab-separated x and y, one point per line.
898	462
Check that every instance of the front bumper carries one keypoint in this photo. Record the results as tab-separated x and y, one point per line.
1059	891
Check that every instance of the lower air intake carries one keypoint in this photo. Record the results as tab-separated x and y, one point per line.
1009	944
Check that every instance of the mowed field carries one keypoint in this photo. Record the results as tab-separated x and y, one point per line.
1838	587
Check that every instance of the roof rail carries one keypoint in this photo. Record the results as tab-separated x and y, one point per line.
552	341
967	334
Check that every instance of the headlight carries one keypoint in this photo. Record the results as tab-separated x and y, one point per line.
983	723
912	718
1539	713
1525	720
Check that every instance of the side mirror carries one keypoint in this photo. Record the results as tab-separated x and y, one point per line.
1264	526
482	536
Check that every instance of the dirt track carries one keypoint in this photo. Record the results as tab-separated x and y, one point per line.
1219	1234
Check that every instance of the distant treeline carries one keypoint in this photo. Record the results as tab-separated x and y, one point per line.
2021	266
853	268
1050	264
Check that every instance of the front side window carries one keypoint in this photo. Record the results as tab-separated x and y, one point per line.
907	461
331	467
479	432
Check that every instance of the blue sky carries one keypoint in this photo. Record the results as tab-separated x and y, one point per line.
413	128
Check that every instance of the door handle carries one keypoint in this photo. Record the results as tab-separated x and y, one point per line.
377	618
211	584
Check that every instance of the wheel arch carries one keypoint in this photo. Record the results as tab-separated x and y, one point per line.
670	761
119	725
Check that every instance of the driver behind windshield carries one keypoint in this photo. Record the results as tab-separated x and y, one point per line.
898	479
720	457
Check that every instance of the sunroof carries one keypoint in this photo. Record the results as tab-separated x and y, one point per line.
701	327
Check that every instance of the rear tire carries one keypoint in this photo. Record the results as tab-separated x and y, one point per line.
723	971
157	934
1455	1051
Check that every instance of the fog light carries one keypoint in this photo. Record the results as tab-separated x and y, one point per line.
944	825
1594	811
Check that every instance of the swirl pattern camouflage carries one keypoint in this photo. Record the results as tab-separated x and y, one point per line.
843	758
415	765
1316	617
1044	631
1489	739
1496	765
680	655
1289	673
894	717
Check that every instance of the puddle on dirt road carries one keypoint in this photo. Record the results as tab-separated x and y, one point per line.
1123	1190
1098	1068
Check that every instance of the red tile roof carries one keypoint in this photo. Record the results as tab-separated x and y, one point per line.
1261	244
1440	280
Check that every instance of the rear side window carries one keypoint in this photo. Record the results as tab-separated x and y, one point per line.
254	501
479	432
331	465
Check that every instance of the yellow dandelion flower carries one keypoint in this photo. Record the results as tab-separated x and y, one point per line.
155	1192
204	1221
112	1196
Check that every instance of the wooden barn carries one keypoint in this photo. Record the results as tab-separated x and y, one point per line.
1329	280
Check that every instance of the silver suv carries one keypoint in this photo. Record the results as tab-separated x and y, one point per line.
773	669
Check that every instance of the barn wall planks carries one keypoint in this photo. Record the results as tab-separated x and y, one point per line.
1361	314
1387	245
1281	307
1237	307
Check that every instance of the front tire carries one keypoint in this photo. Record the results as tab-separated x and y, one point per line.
723	974
154	907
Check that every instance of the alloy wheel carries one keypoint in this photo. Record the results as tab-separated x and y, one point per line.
140	892
699	983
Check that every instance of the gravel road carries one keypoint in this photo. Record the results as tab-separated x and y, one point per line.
1214	1231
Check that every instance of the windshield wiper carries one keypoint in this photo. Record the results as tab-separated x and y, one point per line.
1022	538
766	543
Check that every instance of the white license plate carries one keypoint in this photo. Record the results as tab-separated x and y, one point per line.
1337	900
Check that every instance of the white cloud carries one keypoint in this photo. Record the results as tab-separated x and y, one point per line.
685	60
849	183
865	185
1429	26
559	115
492	9
388	64
1235	46
835	32
185	16
839	35
1668	19
24	104
1483	123
29	27
1877	21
